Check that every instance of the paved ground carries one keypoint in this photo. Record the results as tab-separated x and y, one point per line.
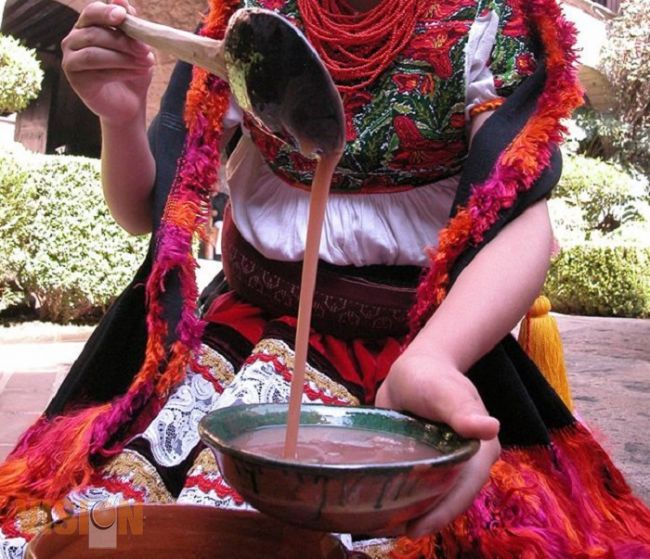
609	370
608	359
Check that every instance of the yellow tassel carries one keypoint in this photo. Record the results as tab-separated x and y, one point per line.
540	337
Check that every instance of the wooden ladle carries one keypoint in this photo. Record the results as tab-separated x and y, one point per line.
273	72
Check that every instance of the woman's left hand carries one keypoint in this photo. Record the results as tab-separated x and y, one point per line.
431	387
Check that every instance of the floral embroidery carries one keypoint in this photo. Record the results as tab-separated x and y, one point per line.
457	120
408	129
418	151
422	83
353	103
451	8
434	47
510	61
525	63
272	4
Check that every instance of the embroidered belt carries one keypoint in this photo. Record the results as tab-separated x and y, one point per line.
349	302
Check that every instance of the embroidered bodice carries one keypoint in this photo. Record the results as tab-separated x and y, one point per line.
408	128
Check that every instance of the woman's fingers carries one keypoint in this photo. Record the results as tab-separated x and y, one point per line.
446	396
97	26
102	14
106	38
467	415
470	481
130	9
113	75
433	388
96	58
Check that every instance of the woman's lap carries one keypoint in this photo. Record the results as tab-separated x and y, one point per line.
247	357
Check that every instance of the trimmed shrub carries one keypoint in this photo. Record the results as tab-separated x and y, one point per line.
15	210
600	216
20	76
606	196
601	280
62	250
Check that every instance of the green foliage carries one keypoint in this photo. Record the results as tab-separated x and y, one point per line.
20	75
601	280
606	196
607	136
626	60
61	249
14	193
601	219
626	63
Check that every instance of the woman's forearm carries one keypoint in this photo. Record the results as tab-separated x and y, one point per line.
128	173
492	293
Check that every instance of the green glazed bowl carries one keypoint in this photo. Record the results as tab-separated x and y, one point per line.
347	498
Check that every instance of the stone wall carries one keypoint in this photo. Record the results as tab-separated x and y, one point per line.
182	14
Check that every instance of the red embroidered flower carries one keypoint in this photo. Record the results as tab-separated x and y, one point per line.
352	104
427	85
272	4
442	10
457	120
525	64
300	163
434	47
516	24
268	144
417	151
410	82
406	82
407	131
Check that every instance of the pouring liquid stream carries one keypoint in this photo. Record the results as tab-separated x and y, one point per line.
317	206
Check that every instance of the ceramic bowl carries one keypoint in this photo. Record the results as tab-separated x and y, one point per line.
173	531
346	498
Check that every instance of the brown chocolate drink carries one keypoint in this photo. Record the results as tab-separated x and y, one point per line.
336	445
318	202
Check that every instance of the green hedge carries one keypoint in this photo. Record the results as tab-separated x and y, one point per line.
20	75
59	247
601	281
601	219
606	196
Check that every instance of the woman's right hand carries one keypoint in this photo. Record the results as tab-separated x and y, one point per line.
108	70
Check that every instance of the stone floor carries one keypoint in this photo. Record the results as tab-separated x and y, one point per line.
608	360
609	371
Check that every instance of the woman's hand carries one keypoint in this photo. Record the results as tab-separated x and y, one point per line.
432	387
108	70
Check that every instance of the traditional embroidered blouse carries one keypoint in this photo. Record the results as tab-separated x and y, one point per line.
406	141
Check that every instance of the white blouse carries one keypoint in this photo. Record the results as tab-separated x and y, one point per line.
360	229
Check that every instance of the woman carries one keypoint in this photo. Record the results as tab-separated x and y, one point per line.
416	94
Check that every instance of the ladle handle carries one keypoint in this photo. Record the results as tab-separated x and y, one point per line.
197	50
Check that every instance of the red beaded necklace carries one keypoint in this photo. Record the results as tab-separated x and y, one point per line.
358	46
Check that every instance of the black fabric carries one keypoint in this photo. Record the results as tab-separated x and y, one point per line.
115	350
515	392
488	143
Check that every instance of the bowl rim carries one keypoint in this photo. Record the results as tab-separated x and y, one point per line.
462	454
